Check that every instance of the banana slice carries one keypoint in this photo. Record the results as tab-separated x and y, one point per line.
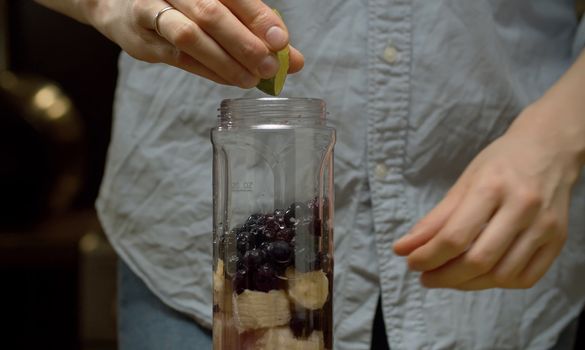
219	284
282	338
254	310
308	289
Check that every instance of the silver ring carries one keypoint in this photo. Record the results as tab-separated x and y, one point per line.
156	29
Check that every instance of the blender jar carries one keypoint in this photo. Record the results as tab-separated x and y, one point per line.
272	225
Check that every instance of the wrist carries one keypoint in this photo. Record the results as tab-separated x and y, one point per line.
69	8
558	129
97	14
566	121
90	10
558	117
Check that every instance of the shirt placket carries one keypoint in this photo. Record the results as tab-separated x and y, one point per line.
389	50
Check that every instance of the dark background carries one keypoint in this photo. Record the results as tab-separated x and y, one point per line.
58	272
81	61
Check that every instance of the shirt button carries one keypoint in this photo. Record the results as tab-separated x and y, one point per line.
380	171
390	54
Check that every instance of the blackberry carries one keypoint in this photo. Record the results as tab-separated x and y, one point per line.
242	281
265	278
245	241
253	258
279	252
286	234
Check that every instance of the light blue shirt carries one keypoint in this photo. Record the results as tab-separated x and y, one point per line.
416	89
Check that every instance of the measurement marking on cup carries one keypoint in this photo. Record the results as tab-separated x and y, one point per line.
243	186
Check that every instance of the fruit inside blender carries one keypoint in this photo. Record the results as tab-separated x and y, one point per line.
273	281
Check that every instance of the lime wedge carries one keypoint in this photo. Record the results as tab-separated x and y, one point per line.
274	85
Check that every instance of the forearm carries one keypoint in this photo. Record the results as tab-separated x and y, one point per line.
76	9
559	116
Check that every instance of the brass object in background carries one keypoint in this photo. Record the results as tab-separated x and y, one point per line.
41	138
41	150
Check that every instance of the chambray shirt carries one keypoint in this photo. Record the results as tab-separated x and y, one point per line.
415	89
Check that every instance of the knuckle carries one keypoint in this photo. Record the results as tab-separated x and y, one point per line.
491	188
453	243
550	222
261	18
208	12
478	262
136	8
529	199
184	35
252	51
536	238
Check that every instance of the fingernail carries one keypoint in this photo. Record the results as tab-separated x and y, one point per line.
247	80
276	37
268	67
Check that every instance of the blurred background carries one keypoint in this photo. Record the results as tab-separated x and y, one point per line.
57	80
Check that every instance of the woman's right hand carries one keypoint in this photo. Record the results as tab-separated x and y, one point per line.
228	41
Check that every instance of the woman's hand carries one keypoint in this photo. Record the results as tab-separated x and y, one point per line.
505	220
227	41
